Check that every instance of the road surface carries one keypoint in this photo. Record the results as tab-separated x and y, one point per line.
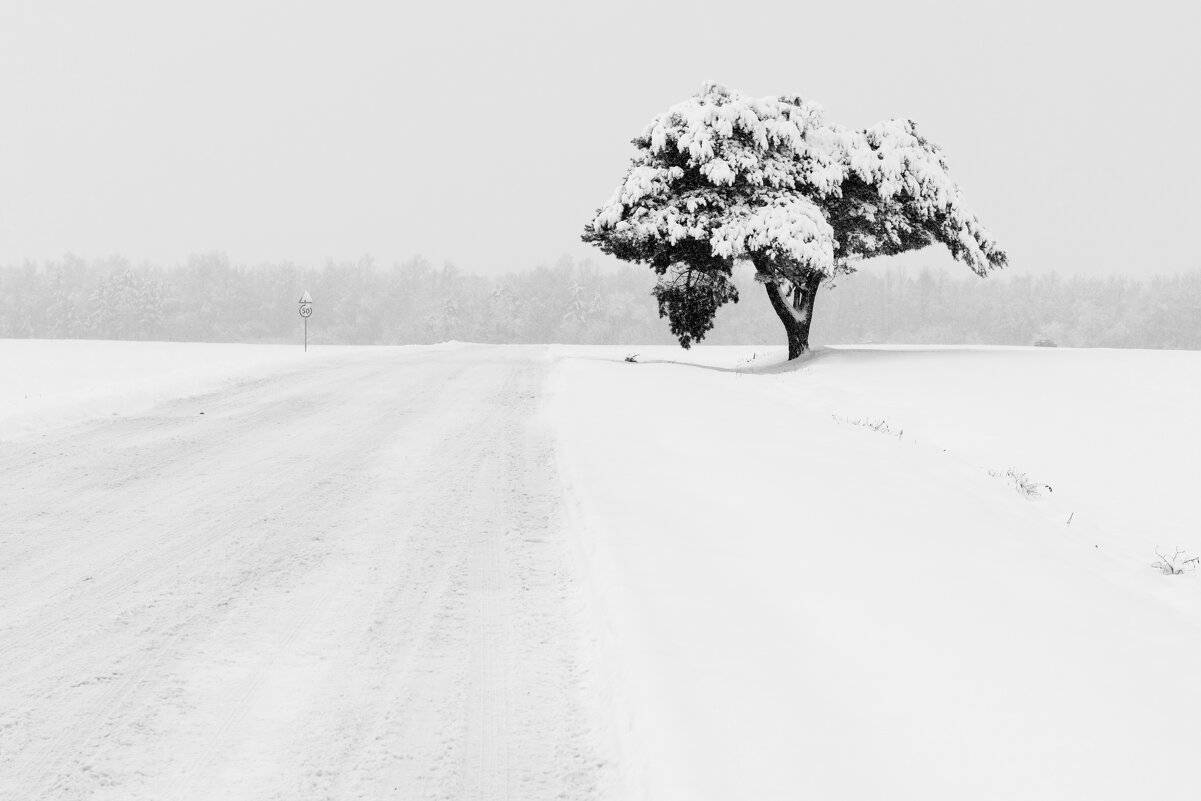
345	581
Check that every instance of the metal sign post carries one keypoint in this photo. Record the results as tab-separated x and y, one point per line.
306	309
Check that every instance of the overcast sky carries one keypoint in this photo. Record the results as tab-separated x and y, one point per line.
486	134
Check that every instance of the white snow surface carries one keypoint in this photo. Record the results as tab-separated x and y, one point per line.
526	572
796	607
343	580
51	382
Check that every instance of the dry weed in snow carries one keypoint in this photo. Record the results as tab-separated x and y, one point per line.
1025	486
1174	565
879	426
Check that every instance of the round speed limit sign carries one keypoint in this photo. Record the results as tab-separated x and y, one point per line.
306	310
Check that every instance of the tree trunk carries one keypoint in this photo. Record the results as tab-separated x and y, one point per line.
794	307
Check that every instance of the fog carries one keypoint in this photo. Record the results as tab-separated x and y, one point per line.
486	134
209	299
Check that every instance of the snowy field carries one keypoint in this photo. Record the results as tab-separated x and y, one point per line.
51	382
528	572
800	606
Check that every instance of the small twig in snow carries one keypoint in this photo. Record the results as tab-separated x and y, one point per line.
1170	567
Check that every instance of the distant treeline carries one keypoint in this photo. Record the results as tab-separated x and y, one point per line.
211	300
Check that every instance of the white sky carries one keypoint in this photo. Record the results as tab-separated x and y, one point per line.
487	133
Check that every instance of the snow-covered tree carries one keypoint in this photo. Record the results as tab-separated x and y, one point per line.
723	177
582	305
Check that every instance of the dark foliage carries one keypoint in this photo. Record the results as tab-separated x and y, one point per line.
689	299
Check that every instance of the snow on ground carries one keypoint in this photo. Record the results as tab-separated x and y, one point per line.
46	383
798	606
50	382
344	580
377	569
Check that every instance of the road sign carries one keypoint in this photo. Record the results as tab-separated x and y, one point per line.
306	309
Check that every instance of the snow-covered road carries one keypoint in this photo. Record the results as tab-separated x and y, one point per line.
347	580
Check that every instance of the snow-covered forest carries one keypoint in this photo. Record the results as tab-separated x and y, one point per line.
208	298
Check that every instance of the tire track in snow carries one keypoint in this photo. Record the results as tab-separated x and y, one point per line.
83	487
419	645
103	710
